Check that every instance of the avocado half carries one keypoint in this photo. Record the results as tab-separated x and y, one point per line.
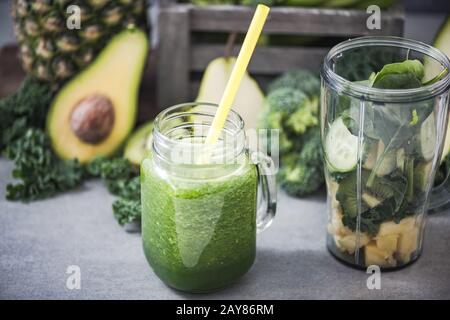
139	144
94	113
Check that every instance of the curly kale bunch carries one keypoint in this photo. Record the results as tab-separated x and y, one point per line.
26	108
292	107
40	172
122	180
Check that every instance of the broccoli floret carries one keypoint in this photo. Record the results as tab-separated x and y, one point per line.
302	80
300	180
302	174
290	111
303	118
286	100
311	153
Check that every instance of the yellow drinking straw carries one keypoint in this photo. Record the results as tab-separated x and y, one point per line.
248	46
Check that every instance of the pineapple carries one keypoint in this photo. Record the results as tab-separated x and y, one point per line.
51	51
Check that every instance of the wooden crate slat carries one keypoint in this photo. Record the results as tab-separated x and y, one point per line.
290	20
173	56
265	60
181	59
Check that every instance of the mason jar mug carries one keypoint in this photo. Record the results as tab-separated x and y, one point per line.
200	204
383	137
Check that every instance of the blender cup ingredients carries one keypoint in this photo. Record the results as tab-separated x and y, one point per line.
376	211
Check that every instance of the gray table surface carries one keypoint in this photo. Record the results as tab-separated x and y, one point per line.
38	241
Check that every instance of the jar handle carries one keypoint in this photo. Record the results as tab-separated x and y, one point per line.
267	190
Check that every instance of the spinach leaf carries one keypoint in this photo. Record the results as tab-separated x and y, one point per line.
393	206
400	75
398	81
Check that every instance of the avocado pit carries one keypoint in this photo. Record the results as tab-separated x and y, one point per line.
92	118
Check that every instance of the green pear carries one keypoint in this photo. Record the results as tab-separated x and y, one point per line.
249	100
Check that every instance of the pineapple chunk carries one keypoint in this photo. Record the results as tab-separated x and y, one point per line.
349	242
387	243
370	200
371	159
376	256
388	163
407	244
332	188
399	238
388	228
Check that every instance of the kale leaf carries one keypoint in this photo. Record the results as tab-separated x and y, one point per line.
27	108
41	173
127	210
122	180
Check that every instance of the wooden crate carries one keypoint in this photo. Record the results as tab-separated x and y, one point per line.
181	60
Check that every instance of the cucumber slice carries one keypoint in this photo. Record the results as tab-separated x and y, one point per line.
427	140
388	163
341	147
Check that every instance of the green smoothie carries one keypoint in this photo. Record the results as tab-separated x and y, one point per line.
199	234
